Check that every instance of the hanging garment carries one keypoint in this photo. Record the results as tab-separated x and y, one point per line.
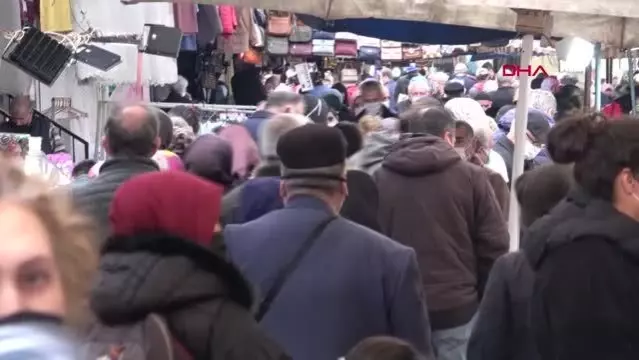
29	11
209	24
55	15
228	18
186	17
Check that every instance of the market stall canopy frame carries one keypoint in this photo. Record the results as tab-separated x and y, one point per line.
611	22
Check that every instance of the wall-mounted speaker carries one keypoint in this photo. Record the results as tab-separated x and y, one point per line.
38	55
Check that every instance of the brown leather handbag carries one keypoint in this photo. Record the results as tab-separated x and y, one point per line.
412	52
280	23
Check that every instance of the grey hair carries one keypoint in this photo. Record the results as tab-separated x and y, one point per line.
181	85
321	182
483	137
504	80
273	129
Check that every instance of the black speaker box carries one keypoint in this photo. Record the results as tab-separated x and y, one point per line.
38	55
161	40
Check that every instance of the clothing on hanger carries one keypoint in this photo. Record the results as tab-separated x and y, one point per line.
55	15
186	18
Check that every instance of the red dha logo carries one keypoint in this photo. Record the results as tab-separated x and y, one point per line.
514	70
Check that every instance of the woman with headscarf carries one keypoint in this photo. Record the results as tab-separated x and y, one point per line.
159	261
246	155
211	157
472	113
183	136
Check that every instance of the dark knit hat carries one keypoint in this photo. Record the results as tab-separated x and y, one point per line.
482	96
453	88
312	151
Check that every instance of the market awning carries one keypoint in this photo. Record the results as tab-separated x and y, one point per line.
611	22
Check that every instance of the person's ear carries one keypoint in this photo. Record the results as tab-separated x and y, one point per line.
156	144
104	142
344	188
283	191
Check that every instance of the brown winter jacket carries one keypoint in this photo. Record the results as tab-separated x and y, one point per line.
445	208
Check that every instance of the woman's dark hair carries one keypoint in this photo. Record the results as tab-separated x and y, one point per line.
383	348
190	114
569	100
165	127
352	135
599	149
83	167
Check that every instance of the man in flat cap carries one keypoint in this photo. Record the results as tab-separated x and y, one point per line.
325	282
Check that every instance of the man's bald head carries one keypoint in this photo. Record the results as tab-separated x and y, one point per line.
132	131
20	110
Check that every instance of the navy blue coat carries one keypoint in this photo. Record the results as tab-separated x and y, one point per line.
352	284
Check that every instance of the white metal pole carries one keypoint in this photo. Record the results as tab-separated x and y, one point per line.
521	123
632	83
597	76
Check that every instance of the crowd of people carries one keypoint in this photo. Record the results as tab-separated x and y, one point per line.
365	223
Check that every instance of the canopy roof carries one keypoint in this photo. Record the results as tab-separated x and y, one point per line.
611	22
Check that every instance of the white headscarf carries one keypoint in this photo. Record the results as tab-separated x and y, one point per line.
471	112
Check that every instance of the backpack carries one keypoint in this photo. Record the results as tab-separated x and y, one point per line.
148	339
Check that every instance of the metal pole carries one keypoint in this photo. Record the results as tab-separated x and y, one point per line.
597	76
631	80
521	123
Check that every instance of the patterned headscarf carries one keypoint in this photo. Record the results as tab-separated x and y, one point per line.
471	112
183	136
543	101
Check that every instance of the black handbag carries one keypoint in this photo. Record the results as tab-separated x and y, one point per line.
369	54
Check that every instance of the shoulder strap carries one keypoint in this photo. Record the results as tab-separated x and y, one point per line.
290	268
160	331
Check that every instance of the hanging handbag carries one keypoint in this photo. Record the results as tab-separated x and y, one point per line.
323	35
346	48
300	49
252	56
391	44
411	52
370	54
277	45
391	53
368	42
345	36
323	47
349	76
279	23
301	34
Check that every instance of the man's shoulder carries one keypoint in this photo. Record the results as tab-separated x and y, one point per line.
370	238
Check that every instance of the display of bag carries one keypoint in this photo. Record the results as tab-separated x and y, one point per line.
391	44
368	42
323	35
323	47
391	53
277	45
299	49
279	23
346	48
370	54
412	52
252	56
301	34
349	76
345	36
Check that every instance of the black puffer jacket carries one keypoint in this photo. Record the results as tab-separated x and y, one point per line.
502	330
584	302
205	300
